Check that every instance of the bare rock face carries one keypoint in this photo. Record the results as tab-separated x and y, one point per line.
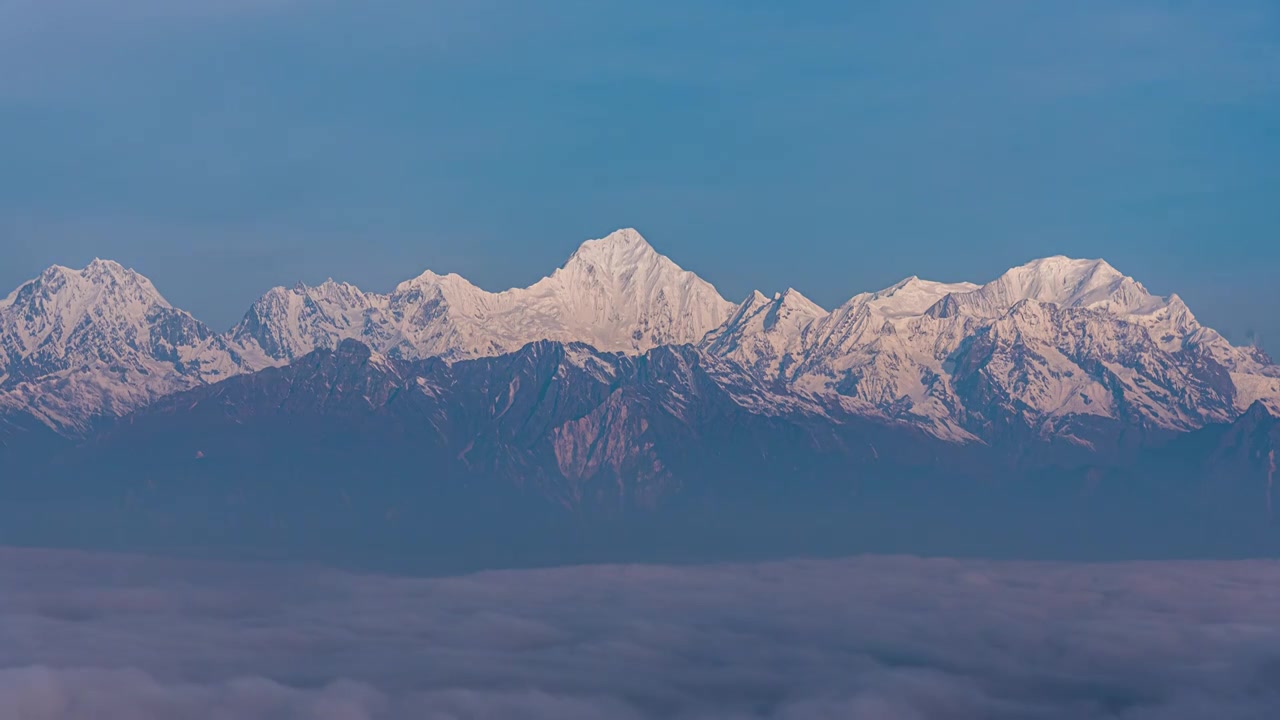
610	441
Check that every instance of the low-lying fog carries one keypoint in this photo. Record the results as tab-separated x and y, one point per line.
111	637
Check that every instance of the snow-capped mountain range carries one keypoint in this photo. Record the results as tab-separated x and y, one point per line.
1053	342
616	294
1056	345
75	344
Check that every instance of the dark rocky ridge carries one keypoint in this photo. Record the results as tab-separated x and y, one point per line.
560	453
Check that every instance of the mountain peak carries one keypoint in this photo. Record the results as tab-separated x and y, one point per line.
100	283
96	269
788	302
793	299
287	323
101	264
617	252
1066	260
903	283
1063	281
429	278
618	294
1067	271
1079	274
328	287
101	271
912	296
624	237
100	340
615	293
330	283
755	299
764	333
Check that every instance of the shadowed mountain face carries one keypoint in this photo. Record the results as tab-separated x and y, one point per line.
560	453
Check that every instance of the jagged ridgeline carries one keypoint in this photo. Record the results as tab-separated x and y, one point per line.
1060	400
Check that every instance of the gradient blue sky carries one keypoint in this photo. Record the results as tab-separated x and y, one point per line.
222	147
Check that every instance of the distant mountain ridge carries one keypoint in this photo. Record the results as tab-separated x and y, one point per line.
559	453
1057	346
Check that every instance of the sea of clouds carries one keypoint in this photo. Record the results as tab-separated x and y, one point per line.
111	637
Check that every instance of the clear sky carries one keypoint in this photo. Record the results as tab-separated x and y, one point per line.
225	146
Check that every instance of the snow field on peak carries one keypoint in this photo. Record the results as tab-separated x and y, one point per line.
99	341
616	294
1055	338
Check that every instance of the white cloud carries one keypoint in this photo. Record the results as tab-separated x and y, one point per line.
124	638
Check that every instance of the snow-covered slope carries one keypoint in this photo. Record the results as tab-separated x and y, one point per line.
79	343
766	335
287	323
1058	346
1062	281
616	294
1050	344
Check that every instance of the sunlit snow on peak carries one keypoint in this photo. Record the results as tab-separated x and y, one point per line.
1057	337
615	293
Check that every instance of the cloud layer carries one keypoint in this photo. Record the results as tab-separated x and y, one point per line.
127	638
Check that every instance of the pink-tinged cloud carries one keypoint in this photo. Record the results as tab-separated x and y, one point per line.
126	638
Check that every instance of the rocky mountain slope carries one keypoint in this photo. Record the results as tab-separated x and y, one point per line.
620	407
570	453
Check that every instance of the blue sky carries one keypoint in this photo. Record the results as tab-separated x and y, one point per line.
225	147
